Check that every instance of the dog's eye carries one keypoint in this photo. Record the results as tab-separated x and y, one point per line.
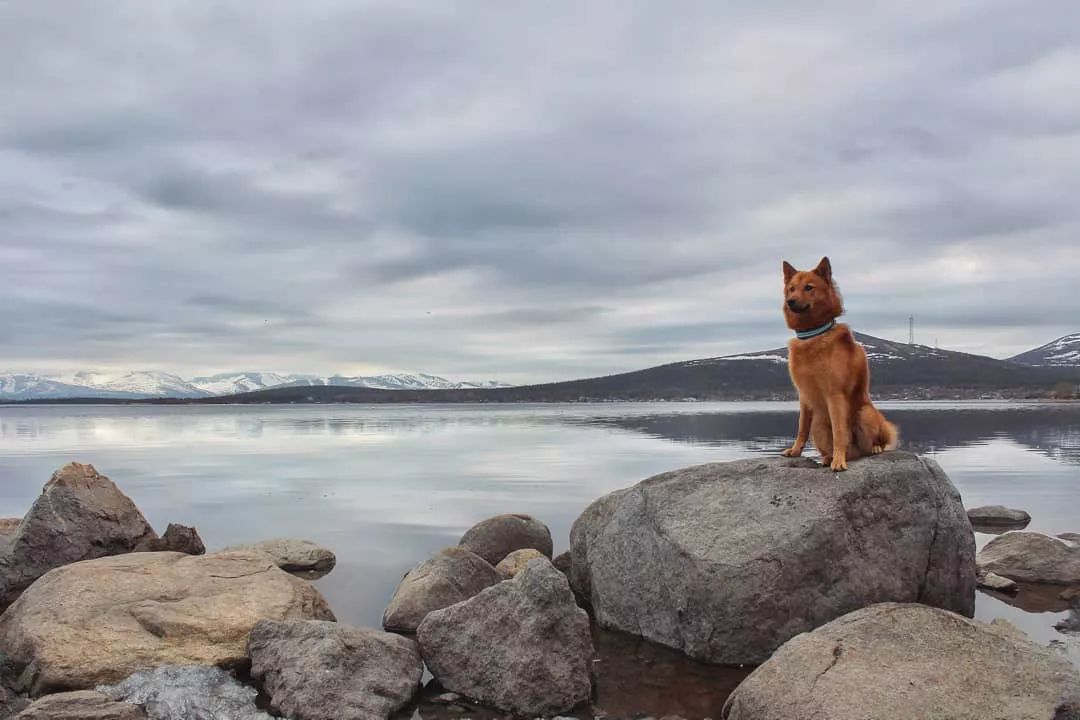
808	288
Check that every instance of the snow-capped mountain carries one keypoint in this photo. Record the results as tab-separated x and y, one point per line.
140	383
1063	352
151	384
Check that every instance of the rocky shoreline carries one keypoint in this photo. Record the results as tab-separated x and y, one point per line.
848	592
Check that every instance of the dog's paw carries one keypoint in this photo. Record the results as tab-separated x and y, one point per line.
877	449
792	452
838	464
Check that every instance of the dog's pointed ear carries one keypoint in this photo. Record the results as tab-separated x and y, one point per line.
789	271
824	270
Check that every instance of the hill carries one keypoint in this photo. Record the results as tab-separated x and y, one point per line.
899	371
1063	352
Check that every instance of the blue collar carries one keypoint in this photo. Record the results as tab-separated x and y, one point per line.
814	332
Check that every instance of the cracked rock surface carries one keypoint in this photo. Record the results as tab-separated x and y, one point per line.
101	620
728	561
902	661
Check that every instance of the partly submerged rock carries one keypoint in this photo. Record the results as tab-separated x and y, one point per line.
293	555
900	661
992	515
450	576
728	561
522	646
326	671
81	705
516	561
79	515
1032	557
495	538
188	692
101	620
993	581
177	538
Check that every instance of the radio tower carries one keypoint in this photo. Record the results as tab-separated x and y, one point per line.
911	330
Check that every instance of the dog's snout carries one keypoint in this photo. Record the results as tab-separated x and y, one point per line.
793	303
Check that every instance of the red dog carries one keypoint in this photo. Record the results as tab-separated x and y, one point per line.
830	372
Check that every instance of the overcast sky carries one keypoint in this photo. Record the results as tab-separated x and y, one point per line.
526	191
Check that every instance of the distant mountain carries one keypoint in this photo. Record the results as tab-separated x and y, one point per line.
898	371
131	385
1063	352
27	386
140	383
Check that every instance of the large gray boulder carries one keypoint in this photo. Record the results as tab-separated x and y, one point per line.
1032	557
293	555
450	576
325	671
495	538
188	692
99	621
900	661
80	515
728	561
81	705
522	646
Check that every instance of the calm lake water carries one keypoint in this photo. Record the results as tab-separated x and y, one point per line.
386	486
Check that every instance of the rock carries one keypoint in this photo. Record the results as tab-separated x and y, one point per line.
11	702
452	575
79	515
562	563
1071	623
101	620
177	538
1032	557
522	646
293	555
174	692
325	671
908	661
997	515
728	561
81	705
9	525
516	561
1069	537
495	538
1069	594
993	581
447	699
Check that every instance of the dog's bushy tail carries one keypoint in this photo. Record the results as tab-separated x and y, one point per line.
890	435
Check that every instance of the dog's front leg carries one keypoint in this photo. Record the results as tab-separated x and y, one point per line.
806	414
839	417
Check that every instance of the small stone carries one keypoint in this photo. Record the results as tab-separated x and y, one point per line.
522	646
293	555
450	576
81	705
993	581
177	538
329	671
516	561
495	538
1031	557
997	515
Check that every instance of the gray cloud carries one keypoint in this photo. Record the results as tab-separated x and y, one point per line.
525	192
